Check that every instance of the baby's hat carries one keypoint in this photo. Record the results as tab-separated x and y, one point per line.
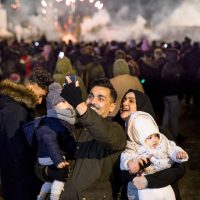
53	96
140	126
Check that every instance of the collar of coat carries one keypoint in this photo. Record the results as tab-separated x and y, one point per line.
18	93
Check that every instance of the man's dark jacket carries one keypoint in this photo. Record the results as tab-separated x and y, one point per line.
99	145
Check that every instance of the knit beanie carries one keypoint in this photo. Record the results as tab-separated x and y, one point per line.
120	67
53	96
140	126
64	66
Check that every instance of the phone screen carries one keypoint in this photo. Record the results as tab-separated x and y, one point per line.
61	54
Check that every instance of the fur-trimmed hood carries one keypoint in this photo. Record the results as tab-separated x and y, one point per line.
18	93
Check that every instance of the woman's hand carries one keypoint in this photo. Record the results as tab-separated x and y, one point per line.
140	182
133	166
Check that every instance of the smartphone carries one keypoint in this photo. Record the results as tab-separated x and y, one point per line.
73	78
61	55
145	164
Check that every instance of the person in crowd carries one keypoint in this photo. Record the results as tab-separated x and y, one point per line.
17	106
171	76
88	66
145	141
64	68
56	128
99	143
136	101
150	75
133	66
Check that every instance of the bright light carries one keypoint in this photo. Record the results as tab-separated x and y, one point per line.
44	12
97	4
91	1
100	6
59	0
36	44
67	2
81	0
44	3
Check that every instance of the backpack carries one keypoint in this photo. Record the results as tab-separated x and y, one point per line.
29	129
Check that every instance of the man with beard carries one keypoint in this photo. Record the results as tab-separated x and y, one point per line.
99	143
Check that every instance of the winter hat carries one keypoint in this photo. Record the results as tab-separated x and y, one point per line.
140	126
63	68
53	96
120	67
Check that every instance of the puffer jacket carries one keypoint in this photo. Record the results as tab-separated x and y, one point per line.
55	139
16	158
98	148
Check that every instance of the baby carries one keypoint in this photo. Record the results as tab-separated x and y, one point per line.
146	142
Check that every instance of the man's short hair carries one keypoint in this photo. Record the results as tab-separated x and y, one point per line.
105	82
41	76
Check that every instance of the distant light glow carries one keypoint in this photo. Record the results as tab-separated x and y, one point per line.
97	4
44	3
36	44
44	12
91	1
67	2
100	6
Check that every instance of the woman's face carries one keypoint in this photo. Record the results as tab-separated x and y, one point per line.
128	105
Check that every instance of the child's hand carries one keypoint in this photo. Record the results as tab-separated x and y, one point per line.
133	166
62	164
181	155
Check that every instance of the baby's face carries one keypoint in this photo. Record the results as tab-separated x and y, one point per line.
152	141
63	105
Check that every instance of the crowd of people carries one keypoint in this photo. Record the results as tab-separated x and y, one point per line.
111	118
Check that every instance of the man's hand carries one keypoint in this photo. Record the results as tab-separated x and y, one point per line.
54	173
72	93
62	164
140	182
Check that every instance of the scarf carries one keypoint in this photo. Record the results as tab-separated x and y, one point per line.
67	115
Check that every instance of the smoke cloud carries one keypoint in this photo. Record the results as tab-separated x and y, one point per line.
119	20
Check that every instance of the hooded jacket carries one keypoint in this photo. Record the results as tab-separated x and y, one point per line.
16	159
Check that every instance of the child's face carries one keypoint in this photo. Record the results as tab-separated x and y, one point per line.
152	141
63	105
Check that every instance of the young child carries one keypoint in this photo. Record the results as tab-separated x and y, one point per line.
55	138
145	141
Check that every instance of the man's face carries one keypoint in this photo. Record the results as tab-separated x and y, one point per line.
39	92
128	105
99	100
